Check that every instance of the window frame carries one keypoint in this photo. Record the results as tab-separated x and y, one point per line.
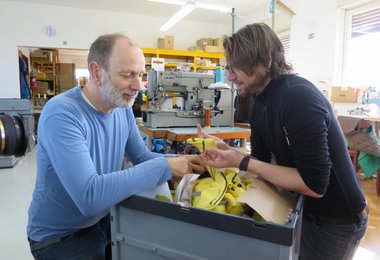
347	31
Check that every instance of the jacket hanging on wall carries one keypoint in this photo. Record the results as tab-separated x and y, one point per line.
23	72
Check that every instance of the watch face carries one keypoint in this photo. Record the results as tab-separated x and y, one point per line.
50	30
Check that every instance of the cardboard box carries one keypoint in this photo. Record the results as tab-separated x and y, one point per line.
166	43
66	81
39	55
211	48
205	42
219	43
339	94
66	68
48	55
41	88
66	75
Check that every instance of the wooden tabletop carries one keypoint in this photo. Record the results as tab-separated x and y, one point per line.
184	133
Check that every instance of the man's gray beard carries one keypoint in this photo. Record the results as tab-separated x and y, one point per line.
113	96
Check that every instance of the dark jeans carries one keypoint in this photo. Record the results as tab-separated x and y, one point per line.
330	241
91	243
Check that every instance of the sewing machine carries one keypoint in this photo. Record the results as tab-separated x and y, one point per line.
192	92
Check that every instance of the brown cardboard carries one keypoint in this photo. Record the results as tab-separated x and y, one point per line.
272	203
205	42
219	43
166	43
66	68
211	48
66	81
66	75
42	87
339	94
39	55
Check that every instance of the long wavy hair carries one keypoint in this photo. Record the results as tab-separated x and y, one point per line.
254	45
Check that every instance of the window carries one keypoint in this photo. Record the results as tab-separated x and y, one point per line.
285	40
361	50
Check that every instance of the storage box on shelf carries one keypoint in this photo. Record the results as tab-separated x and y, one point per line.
174	58
45	55
211	45
166	43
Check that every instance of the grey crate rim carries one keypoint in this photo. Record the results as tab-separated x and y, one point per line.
271	232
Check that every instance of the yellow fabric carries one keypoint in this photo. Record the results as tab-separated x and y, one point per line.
220	191
202	143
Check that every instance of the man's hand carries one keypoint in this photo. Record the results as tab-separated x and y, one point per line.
222	158
219	142
196	163
179	166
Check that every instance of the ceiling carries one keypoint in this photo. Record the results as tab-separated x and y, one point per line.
144	7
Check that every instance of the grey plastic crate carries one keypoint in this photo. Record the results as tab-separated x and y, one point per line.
144	228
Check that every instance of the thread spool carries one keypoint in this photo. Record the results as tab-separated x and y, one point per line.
207	122
219	74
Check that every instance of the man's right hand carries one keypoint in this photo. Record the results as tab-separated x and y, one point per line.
219	142
180	166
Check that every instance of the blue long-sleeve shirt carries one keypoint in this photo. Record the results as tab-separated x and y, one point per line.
80	174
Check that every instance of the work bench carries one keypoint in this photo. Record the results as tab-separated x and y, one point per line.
181	134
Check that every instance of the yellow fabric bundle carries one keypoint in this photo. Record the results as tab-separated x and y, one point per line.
220	191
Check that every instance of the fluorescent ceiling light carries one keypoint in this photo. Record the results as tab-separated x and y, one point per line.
185	10
172	2
214	7
187	7
202	5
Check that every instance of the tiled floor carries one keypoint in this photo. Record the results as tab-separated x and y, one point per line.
16	187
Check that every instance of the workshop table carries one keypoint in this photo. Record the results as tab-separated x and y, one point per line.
181	134
376	124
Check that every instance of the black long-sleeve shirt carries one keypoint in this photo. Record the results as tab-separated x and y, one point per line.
294	124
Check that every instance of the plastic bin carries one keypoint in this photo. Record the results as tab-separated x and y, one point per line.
145	228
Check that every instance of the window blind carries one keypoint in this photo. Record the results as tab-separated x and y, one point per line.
285	40
365	23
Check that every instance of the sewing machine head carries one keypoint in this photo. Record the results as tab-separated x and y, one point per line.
189	89
182	97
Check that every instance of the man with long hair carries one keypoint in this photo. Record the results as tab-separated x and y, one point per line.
297	144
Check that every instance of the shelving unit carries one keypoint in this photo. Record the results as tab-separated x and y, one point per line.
45	74
45	71
174	58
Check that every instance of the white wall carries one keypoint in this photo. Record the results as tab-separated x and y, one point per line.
313	58
22	24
